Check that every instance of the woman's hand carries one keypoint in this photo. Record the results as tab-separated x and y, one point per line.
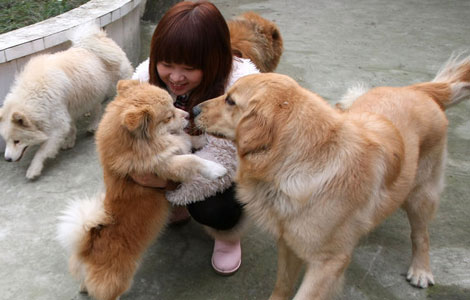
150	180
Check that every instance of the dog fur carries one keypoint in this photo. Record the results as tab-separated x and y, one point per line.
319	178
54	90
253	37
141	132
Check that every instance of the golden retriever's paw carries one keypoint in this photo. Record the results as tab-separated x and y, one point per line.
420	278
212	170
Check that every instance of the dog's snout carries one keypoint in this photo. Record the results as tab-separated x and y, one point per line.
8	159
196	110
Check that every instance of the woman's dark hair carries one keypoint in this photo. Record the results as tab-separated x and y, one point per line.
194	34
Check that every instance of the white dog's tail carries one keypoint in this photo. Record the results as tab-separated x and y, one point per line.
451	84
76	221
91	37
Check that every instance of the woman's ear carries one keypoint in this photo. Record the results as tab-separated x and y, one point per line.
255	133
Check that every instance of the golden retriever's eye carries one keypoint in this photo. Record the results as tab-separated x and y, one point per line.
171	116
16	142
229	101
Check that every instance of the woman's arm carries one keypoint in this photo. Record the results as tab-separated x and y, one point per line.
149	180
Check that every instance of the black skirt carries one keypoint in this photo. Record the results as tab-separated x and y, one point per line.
221	211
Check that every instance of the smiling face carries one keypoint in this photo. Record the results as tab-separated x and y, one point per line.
180	79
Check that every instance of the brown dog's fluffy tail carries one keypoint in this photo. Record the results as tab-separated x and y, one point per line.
451	84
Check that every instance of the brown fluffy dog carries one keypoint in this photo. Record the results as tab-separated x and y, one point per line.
256	38
141	132
319	179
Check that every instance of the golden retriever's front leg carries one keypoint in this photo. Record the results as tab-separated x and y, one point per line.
288	269
323	278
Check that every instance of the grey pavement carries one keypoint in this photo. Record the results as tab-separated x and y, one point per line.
329	45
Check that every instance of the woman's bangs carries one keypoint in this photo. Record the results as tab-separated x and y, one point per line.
184	47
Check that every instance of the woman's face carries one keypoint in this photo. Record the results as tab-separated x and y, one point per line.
178	78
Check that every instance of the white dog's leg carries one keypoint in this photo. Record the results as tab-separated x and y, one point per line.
48	149
69	140
288	269
95	117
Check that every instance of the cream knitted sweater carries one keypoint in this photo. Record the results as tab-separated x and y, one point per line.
216	149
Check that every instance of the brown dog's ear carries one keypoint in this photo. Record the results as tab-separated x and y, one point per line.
124	85
137	121
20	119
255	133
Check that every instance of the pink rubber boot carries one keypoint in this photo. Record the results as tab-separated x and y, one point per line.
227	257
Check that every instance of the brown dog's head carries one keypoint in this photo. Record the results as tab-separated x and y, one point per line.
136	125
256	38
252	112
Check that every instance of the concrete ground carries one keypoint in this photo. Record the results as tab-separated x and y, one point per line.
329	45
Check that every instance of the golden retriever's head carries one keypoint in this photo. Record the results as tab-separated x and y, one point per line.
137	125
252	112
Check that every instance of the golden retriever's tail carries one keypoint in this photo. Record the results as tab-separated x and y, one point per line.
76	221
451	84
353	92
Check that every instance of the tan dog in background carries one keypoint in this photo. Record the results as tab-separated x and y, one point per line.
319	179
256	38
141	132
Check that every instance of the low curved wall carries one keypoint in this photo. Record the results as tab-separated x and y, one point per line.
120	18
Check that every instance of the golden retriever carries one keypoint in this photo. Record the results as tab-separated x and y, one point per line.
253	37
141	132
319	178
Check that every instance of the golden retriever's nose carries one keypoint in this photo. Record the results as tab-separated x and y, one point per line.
196	110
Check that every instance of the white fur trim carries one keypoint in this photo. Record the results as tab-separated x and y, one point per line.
142	71
241	67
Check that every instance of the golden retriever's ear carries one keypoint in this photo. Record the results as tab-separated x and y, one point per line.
255	133
137	121
20	119
237	52
124	85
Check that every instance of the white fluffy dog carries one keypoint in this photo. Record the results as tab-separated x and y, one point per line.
54	90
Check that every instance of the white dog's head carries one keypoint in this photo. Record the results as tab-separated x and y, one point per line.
19	132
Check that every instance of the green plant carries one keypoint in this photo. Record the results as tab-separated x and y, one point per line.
15	14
